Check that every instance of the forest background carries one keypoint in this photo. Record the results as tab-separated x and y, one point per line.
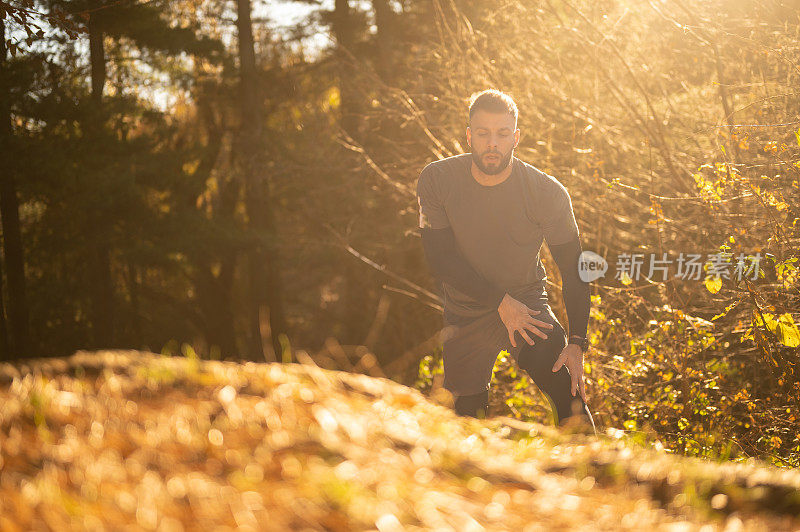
212	178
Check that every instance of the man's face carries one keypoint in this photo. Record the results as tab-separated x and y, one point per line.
492	137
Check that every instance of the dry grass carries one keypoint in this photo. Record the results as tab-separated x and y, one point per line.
126	440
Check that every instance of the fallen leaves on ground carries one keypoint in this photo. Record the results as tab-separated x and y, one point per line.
126	440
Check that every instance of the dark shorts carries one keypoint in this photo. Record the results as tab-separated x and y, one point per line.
470	350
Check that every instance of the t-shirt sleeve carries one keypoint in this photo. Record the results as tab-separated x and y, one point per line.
558	223
430	199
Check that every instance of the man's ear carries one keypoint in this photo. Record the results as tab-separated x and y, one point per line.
517	135
469	137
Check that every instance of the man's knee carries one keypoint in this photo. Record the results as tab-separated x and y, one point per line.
540	357
475	405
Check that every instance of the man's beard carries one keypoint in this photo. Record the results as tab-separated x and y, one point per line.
494	169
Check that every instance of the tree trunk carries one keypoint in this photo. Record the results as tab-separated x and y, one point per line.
344	31
215	288
214	301
102	290
5	137
12	237
5	348
352	302
385	20
263	260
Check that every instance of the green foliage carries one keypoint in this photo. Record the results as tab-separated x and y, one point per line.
694	394
431	366
782	327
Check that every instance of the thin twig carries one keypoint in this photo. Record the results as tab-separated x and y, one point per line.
381	267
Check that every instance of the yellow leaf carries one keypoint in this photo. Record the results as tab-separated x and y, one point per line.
713	284
788	333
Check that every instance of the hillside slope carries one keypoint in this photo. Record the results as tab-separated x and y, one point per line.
124	440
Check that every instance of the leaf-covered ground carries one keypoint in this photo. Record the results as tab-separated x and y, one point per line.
124	440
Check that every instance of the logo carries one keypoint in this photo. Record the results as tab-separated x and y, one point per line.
591	266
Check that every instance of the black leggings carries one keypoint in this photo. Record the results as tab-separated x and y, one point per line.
538	361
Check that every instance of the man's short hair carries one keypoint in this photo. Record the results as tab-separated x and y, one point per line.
492	101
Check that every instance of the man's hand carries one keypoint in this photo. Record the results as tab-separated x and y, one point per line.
517	317
572	357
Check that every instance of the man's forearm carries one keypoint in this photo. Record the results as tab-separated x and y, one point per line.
577	294
448	264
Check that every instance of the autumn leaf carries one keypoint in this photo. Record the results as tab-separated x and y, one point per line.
713	284
787	331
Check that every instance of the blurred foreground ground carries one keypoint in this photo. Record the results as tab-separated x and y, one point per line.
123	440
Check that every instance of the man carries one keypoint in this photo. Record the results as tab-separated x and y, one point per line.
483	218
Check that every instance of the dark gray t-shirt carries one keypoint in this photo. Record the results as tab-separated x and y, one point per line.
499	229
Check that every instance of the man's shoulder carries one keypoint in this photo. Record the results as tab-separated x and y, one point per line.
448	165
540	180
439	177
